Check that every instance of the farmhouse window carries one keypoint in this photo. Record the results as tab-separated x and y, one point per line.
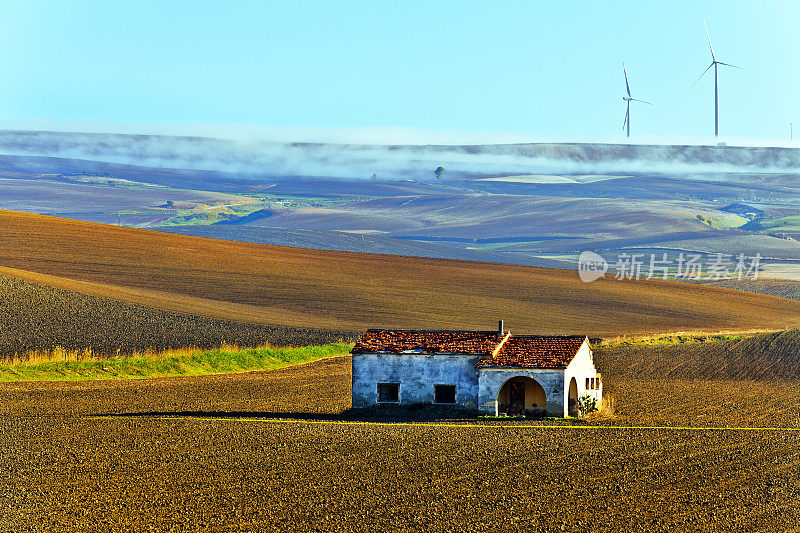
444	393
588	383
388	392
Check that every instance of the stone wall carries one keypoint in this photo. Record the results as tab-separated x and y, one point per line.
490	380
417	376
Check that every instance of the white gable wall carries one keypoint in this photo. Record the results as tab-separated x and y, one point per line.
581	367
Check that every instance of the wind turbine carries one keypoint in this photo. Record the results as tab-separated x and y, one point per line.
715	64
629	99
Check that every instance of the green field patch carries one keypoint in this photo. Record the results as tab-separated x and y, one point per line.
212	214
195	219
678	338
784	223
185	362
723	222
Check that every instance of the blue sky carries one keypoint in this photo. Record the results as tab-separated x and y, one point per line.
542	69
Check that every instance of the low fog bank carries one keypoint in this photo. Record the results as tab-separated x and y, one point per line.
256	158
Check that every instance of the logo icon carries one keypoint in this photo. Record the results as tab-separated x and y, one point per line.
591	266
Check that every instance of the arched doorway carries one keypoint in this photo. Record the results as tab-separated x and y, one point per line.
521	396
572	399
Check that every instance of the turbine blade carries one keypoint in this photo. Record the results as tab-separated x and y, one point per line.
626	117
701	76
709	41
729	65
628	87
642	101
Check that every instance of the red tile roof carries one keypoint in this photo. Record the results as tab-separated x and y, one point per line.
521	351
535	351
427	342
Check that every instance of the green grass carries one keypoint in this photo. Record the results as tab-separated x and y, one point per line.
725	222
194	218
786	223
671	339
212	214
184	362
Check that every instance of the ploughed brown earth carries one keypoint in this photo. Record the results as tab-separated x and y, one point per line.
278	450
36	317
237	452
345	291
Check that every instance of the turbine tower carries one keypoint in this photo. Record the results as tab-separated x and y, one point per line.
715	64
628	99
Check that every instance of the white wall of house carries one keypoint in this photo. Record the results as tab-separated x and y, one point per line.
491	380
582	368
417	376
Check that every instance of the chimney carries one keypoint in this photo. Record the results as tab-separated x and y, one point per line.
500	328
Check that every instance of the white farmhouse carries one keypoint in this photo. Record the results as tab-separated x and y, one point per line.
491	371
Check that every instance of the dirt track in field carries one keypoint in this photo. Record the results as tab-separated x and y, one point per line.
66	470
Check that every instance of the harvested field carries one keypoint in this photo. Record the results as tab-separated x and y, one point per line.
344	291
66	471
36	317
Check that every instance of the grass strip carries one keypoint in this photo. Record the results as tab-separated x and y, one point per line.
185	362
674	338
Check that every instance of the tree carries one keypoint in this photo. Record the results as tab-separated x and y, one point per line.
438	172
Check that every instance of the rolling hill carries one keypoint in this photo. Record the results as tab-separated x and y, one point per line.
353	242
771	356
352	291
526	203
35	317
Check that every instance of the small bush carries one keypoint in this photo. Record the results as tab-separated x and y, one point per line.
586	404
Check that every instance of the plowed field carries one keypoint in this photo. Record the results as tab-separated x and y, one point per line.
344	291
64	470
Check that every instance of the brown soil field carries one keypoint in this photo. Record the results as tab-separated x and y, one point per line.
350	291
38	318
775	287
763	357
64	470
